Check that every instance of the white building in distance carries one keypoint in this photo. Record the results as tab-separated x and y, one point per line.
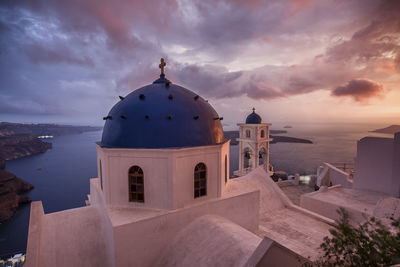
375	189
253	144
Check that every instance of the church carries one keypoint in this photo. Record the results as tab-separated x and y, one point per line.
163	195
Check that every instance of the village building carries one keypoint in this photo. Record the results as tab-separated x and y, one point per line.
372	190
163	196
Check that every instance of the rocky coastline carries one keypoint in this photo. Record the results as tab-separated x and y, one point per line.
2	164
21	145
11	188
19	140
43	129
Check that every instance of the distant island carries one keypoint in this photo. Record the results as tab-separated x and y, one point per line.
276	138
20	140
392	129
43	129
287	127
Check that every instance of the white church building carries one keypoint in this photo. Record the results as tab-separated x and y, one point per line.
163	196
254	141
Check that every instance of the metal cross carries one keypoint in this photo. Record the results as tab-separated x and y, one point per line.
254	109
162	65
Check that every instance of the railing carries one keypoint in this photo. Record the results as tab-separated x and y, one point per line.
345	166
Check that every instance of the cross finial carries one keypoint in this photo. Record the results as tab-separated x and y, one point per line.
162	65
254	110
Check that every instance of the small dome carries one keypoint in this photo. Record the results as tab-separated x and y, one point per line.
253	118
161	115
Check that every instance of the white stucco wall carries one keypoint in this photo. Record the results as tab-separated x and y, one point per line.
156	166
358	203
330	174
74	237
374	165
97	201
184	162
168	174
141	243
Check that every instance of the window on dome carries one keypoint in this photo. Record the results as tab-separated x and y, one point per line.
136	184
200	180
248	133
262	133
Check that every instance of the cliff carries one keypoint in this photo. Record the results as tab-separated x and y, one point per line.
41	129
392	129
10	189
2	164
20	145
21	139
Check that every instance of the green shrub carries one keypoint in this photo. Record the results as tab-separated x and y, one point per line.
368	244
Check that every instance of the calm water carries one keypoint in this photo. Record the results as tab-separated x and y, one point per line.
61	183
61	175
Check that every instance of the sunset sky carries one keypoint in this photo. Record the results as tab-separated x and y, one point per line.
293	60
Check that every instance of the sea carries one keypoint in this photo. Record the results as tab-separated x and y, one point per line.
61	175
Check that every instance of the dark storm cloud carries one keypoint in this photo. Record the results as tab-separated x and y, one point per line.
77	56
360	90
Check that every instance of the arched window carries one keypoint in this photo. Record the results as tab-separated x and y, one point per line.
226	168
136	184
248	133
262	133
246	157
200	180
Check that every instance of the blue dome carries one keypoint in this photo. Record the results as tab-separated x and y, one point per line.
162	115
253	118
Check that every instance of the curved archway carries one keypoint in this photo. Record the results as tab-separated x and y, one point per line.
200	180
261	156
262	134
136	184
248	133
246	157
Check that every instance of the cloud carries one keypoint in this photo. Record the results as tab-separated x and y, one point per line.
360	90
216	48
40	54
261	91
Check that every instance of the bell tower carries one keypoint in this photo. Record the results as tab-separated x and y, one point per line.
253	144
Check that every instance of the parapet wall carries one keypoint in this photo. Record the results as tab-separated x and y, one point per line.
157	232
35	227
